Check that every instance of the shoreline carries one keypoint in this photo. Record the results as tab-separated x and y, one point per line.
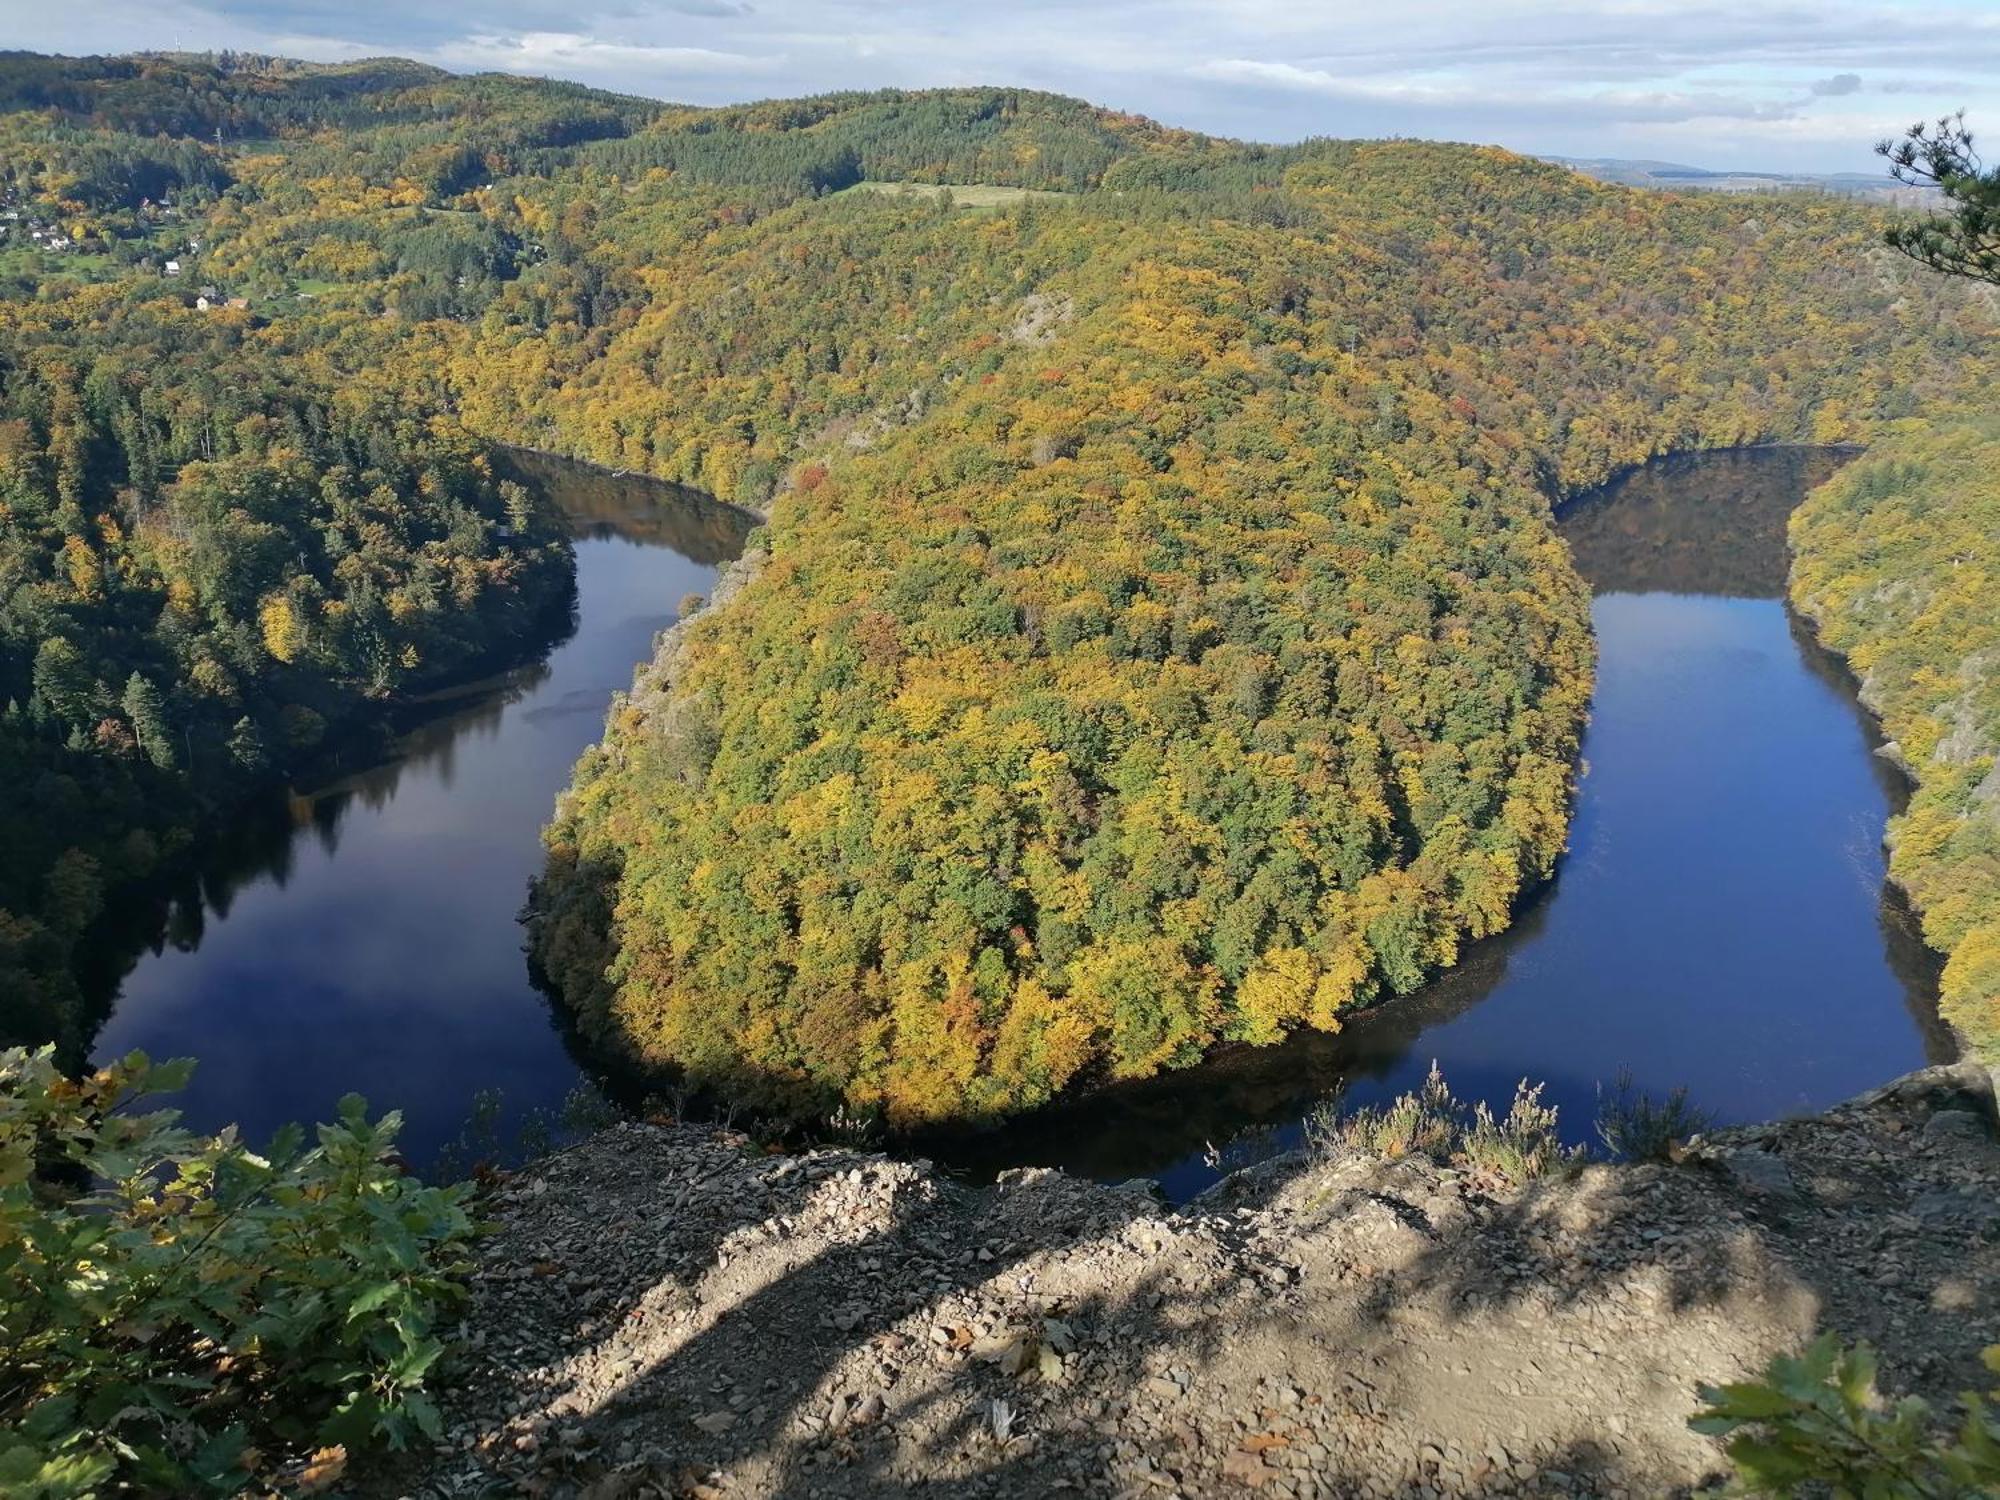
968	1143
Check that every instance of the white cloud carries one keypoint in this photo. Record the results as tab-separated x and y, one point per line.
573	54
1604	105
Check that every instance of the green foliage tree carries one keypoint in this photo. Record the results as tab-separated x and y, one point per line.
148	713
181	1315
74	892
1815	1425
1966	241
246	746
63	682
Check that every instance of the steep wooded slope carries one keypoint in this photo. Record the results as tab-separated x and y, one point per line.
1899	566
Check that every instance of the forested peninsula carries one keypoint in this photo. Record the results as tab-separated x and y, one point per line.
1158	636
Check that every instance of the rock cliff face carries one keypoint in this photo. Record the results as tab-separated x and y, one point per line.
664	1312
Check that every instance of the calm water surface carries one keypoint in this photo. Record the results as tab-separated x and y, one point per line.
1720	920
363	937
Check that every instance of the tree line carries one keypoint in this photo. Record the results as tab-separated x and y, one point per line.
1160	637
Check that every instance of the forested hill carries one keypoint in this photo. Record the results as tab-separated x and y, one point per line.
1171	646
448	131
1899	567
1159	635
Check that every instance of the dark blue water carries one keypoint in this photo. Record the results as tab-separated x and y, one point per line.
362	936
1719	922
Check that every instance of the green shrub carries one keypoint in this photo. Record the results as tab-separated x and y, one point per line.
1421	1120
1815	1425
181	1315
1635	1126
1520	1147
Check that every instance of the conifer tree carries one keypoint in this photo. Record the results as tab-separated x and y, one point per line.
143	706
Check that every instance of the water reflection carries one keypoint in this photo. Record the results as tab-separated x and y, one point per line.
1721	920
361	934
1696	523
603	505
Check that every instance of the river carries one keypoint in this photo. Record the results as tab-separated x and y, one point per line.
1721	920
362	935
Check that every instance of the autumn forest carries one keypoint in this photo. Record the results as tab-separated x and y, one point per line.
1156	636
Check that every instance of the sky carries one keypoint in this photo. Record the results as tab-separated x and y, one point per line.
1790	85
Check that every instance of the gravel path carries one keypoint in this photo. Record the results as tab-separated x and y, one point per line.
662	1312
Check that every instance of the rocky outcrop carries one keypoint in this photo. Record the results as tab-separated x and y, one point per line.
664	1311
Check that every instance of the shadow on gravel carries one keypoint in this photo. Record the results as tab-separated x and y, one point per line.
1879	1220
769	1357
766	1353
819	1326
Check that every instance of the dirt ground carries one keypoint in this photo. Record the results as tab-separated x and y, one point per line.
664	1312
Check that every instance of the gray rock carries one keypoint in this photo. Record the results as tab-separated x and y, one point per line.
1955	1086
1760	1173
1957	1125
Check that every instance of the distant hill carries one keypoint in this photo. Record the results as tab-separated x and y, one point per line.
1668	176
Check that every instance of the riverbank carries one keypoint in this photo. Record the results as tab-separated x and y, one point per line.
215	826
1898	566
1723	881
336	901
663	1311
572	938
